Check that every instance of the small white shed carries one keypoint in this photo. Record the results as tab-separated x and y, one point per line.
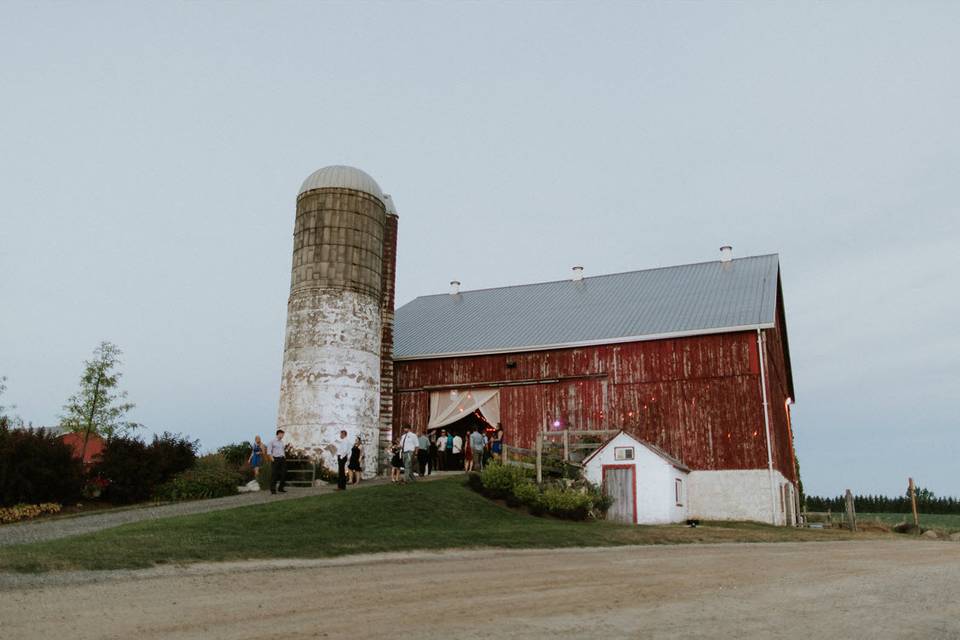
648	485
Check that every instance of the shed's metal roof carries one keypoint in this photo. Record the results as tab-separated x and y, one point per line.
344	177
709	297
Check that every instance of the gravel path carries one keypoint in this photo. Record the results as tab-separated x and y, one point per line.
53	528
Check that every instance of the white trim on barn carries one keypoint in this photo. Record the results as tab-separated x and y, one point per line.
657	480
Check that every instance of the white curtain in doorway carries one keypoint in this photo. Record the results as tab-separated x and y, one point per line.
446	407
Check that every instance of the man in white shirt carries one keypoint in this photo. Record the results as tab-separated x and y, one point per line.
278	468
409	443
343	454
458	452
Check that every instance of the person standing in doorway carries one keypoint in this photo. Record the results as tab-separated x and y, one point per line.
432	452
467	452
343	456
409	443
423	454
442	450
477	447
457	451
278	468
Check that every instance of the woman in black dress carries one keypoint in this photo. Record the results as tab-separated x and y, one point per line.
356	461
395	462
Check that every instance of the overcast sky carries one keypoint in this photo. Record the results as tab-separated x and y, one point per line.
150	156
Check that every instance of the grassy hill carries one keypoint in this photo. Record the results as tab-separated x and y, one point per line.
440	514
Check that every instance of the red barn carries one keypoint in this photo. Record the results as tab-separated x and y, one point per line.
692	358
95	445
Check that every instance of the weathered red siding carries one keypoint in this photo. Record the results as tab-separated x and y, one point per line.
699	398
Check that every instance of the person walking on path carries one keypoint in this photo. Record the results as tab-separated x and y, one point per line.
278	468
343	455
409	443
477	446
457	450
356	461
423	455
256	456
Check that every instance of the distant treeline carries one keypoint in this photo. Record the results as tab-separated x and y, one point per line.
927	502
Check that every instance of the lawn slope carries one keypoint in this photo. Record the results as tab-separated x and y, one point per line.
426	515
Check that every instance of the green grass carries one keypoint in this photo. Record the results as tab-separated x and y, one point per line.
947	522
425	515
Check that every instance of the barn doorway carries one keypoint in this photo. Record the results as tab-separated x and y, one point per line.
463	428
619	482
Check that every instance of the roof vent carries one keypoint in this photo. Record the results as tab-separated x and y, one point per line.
454	287
726	253
577	273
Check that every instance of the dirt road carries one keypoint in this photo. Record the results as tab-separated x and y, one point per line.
869	589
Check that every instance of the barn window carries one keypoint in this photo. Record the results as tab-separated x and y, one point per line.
623	453
678	491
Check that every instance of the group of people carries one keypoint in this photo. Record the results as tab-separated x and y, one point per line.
442	451
410	453
349	460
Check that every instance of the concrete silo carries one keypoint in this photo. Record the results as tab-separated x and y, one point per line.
332	352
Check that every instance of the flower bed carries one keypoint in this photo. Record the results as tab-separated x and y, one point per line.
26	511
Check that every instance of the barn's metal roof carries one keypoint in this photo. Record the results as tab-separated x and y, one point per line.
344	177
691	299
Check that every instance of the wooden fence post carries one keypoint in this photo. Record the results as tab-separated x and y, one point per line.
539	458
566	445
851	512
913	503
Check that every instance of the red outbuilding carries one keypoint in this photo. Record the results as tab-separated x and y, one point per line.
95	445
693	359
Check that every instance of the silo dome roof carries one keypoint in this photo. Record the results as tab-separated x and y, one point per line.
388	204
343	177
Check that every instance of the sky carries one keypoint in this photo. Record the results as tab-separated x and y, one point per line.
151	153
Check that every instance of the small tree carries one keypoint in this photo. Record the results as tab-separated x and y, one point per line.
99	408
7	420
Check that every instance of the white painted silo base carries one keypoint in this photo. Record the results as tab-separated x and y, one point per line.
331	373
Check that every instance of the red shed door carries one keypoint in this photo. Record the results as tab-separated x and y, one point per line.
619	482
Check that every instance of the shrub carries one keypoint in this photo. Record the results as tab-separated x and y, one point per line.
133	469
37	467
500	479
211	477
26	511
567	503
527	494
173	453
237	453
127	465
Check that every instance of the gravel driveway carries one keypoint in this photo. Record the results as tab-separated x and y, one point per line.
871	589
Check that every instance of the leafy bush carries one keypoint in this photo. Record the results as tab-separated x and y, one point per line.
134	469
212	477
500	479
26	511
567	503
128	467
568	499
173	453
36	467
236	453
